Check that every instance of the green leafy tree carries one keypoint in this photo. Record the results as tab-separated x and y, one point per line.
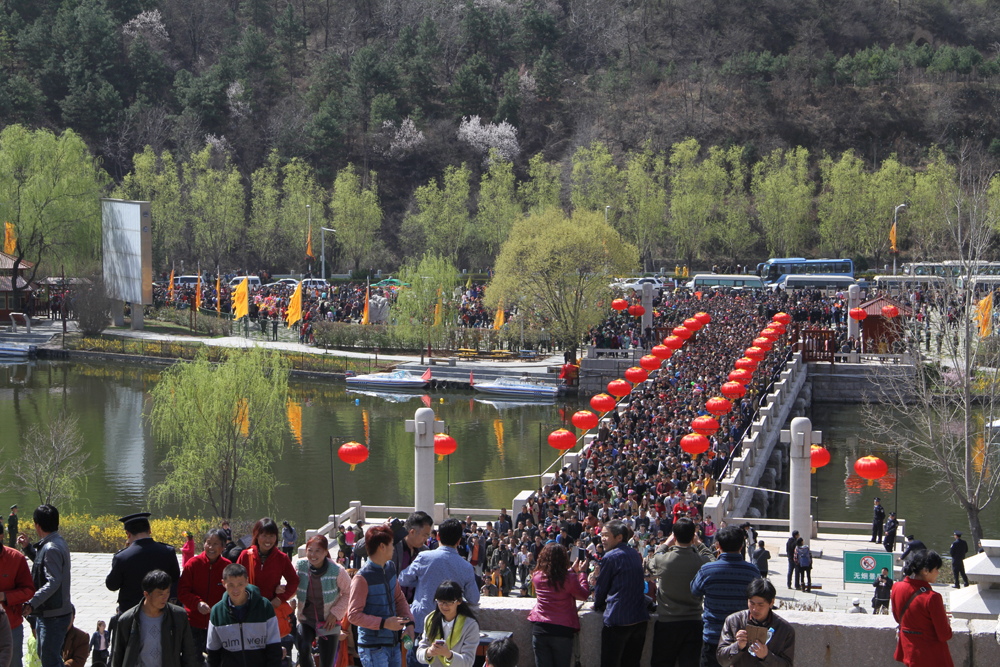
498	204
644	205
559	268
442	217
732	228
50	187
268	236
541	190
355	207
596	181
290	38
783	197
470	92
224	425
890	186
697	190
156	179
934	189
429	282
840	203
301	197
215	204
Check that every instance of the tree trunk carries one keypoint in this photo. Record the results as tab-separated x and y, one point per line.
974	525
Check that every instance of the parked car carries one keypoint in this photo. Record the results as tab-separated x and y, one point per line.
637	285
252	281
315	283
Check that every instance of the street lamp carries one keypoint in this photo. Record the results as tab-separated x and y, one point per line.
895	215
322	248
606	214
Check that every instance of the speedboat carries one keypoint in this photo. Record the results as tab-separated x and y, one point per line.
398	379
522	386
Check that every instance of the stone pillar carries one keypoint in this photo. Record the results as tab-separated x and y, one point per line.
647	303
853	301
137	317
800	437
423	426
118	312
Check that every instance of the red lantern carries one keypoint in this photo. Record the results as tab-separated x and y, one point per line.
602	403
890	311
718	406
694	443
755	353
818	456
682	332
353	453
705	425
636	310
778	327
741	376
619	388
858	314
562	440
763	343
746	364
444	445
635	375
783	318
733	390
662	351
651	363
619	304
703	317
770	334
673	342
585	420
692	324
871	468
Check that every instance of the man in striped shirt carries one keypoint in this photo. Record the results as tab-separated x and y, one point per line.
723	584
619	594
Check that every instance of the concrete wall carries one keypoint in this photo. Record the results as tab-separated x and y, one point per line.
850	383
821	638
595	374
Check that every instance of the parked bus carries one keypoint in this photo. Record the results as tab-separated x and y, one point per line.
902	284
773	269
829	283
725	280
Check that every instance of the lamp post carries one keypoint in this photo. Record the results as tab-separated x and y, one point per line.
309	241
895	215
606	214
322	249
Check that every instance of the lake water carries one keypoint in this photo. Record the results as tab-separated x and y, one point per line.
494	441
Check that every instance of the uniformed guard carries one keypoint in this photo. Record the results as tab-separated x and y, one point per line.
141	556
12	526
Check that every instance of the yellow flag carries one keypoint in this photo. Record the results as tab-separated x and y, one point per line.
218	293
364	317
309	242
437	310
468	283
498	320
892	236
171	284
295	420
197	293
294	312
241	300
9	238
984	316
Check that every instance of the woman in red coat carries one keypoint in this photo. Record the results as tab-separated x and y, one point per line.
924	625
266	564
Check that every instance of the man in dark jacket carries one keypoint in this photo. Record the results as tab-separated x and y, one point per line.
50	605
891	526
154	633
773	641
142	555
12	526
417	529
877	520
790	555
883	592
959	548
913	545
242	629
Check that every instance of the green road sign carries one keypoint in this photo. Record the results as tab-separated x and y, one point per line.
863	567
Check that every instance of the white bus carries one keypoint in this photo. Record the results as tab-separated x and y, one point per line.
827	283
725	280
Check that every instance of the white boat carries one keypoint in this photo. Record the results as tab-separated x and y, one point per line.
389	396
398	379
16	351
523	386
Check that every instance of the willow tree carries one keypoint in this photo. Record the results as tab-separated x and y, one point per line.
559	269
424	307
224	425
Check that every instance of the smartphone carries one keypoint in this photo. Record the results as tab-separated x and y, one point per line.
439	642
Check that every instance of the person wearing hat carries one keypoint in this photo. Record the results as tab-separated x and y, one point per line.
959	548
891	526
877	521
12	526
135	561
856	607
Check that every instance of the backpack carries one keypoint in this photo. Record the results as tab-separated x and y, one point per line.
805	558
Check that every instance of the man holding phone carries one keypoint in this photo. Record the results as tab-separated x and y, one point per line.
757	634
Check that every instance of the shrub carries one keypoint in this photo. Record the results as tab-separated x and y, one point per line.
104	534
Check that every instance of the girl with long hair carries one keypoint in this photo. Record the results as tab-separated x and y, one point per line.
451	632
554	618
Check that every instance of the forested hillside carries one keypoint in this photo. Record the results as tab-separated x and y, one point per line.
265	104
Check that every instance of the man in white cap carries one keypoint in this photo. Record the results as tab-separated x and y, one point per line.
857	608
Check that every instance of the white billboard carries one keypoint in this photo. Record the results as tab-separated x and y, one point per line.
127	242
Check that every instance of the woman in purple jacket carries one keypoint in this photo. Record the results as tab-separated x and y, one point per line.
554	617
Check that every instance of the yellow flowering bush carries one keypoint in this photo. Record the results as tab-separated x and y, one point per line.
104	534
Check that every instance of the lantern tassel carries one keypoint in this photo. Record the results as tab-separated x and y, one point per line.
814	471
870	482
352	467
440	457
